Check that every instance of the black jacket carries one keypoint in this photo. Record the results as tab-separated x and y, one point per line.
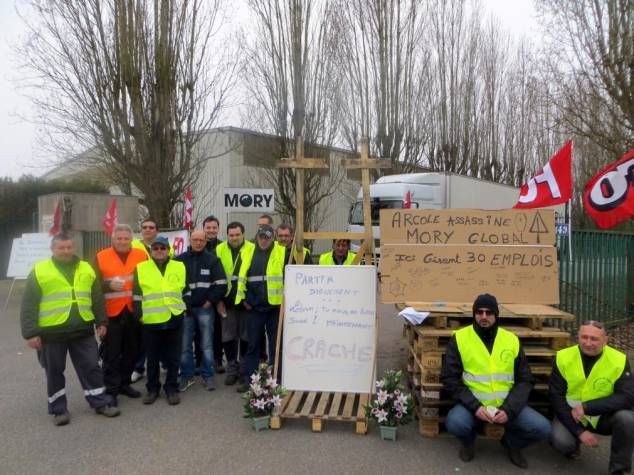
622	398
75	326
452	369
206	279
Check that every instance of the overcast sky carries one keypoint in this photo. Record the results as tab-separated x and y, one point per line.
20	154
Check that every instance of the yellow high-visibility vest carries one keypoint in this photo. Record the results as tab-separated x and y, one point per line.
489	376
58	295
600	382
327	259
274	277
223	251
162	293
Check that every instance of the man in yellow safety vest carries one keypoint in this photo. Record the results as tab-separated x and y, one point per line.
486	372
62	305
340	254
158	301
592	391
261	286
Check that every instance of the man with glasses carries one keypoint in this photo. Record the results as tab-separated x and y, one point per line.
159	284
592	392
260	286
486	373
207	284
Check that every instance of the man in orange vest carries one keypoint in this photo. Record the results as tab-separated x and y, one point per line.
115	267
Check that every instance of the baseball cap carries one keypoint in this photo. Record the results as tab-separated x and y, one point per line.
161	240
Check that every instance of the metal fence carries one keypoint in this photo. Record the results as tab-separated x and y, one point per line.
596	276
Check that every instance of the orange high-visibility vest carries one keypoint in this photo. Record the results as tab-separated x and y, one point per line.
110	266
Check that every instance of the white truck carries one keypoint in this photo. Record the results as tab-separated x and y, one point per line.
428	190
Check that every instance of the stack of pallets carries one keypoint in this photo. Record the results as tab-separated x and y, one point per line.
537	326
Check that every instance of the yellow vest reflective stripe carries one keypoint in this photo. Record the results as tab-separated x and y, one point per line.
600	382
489	376
327	259
223	251
162	293
57	293
274	277
138	244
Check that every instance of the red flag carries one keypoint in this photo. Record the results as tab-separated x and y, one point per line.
188	221
609	196
552	185
56	227
407	204
110	219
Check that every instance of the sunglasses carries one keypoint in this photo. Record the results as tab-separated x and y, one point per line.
593	323
159	248
148	227
482	311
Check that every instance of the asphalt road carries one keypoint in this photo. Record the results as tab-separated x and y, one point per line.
207	434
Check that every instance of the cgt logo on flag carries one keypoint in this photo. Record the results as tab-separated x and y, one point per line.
552	185
608	197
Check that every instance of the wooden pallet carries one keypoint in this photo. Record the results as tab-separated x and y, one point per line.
323	406
453	315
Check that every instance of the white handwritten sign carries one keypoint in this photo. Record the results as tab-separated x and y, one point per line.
329	328
26	251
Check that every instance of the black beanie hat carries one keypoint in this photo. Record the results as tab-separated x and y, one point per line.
486	301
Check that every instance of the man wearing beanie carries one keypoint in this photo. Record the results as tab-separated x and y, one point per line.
486	372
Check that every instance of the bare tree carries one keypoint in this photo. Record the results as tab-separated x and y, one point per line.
130	78
385	63
293	84
591	60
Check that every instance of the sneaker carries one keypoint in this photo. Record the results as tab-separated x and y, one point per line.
185	384
210	385
243	388
108	411
136	376
130	392
515	455
466	454
231	379
150	397
173	399
61	419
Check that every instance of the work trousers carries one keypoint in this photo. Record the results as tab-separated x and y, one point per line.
163	345
84	356
121	347
234	339
620	425
259	324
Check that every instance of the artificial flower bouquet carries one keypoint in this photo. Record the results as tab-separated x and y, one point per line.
264	394
391	406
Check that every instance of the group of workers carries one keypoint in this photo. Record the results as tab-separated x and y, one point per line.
184	313
221	299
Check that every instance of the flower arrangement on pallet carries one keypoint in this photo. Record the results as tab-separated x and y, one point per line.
390	406
263	397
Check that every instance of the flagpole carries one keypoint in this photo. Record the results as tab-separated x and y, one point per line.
569	203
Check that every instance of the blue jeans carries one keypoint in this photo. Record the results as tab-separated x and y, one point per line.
204	319
258	324
527	428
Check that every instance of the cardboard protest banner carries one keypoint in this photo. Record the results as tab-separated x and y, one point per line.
329	328
457	273
468	226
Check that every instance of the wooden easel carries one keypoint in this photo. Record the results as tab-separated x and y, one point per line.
323	405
